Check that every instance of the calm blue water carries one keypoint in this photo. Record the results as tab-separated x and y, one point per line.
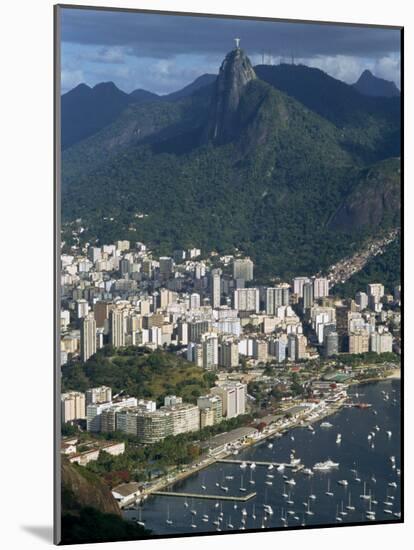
355	452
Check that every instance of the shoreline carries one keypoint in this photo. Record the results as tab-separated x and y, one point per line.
302	423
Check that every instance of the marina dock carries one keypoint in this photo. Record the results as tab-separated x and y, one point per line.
244	498
296	467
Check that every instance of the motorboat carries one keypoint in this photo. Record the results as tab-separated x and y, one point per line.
326	425
327	465
290	481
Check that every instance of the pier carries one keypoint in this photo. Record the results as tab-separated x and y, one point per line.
205	496
296	467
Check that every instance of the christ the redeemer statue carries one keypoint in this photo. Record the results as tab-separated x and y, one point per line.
237	41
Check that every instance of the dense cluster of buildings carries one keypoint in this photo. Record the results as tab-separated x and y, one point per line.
142	418
208	309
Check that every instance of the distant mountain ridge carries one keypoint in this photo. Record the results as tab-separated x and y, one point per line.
371	85
86	110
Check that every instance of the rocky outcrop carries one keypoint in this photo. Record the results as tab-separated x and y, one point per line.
235	72
371	85
374	201
81	489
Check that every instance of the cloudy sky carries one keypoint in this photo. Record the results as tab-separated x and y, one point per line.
164	53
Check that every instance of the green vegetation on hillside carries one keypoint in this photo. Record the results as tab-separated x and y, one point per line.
89	511
89	525
291	167
139	373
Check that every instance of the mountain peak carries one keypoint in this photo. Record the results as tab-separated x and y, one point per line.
369	84
366	73
235	72
106	86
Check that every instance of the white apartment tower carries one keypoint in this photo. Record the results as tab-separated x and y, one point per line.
247	299
320	287
116	323
88	337
243	269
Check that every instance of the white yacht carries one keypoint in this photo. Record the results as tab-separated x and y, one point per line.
327	465
326	425
168	521
140	521
290	481
365	495
350	507
328	492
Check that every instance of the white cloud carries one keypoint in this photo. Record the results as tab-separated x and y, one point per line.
113	54
71	78
389	68
349	68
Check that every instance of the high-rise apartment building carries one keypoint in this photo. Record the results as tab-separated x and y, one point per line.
298	283
93	415
117	332
296	346
308	297
215	296
277	348
359	342
101	312
196	329
320	287
101	394
229	353
260	350
247	299
166	267
331	343
361	298
88	337
211	403
243	269
209	343
82	308
72	406
276	297
194	300
233	396
381	343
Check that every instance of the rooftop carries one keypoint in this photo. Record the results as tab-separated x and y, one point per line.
126	489
228	437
